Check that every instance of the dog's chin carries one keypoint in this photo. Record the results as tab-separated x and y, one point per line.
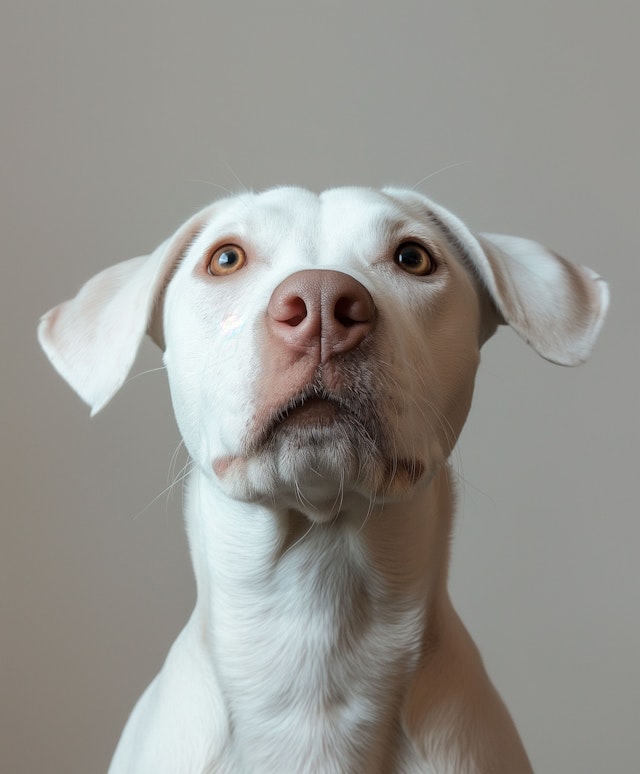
317	458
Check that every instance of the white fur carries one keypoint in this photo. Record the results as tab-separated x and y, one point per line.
323	638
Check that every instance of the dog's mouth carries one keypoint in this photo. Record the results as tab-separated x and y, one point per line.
319	446
322	435
315	409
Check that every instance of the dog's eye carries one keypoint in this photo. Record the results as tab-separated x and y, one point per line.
415	259
226	260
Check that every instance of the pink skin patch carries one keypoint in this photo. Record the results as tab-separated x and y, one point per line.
223	465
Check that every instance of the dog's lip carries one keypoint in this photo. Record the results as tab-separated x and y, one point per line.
313	407
312	403
313	410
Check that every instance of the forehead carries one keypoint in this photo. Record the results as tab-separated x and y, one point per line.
323	222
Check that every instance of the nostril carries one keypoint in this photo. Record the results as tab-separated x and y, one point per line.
350	311
292	311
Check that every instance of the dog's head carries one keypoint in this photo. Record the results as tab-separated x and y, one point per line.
317	345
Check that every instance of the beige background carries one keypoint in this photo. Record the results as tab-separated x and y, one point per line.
118	120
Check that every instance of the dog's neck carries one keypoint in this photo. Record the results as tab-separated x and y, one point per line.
316	628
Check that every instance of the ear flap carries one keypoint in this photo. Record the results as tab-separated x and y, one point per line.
555	306
93	339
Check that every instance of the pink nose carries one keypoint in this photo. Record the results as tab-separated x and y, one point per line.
321	308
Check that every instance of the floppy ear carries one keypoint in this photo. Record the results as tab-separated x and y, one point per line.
555	306
93	339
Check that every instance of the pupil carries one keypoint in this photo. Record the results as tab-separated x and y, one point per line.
228	258
410	256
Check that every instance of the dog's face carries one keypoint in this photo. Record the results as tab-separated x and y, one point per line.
319	347
321	343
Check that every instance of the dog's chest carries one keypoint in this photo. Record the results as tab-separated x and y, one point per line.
312	662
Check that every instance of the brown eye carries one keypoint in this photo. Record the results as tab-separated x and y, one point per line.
415	259
226	260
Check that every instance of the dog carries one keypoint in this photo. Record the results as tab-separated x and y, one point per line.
321	352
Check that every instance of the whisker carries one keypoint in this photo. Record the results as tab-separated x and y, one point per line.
304	502
144	373
243	187
223	188
335	511
174	459
182	475
368	514
299	540
439	171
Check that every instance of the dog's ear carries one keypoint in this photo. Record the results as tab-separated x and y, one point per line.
93	339
555	306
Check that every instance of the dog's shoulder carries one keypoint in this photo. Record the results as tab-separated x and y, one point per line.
453	715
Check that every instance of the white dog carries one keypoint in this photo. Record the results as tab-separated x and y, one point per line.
321	353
